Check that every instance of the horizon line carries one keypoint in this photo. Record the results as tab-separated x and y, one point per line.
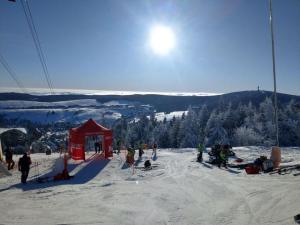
65	91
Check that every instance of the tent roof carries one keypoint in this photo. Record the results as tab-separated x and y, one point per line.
90	126
23	130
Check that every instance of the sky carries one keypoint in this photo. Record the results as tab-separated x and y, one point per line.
221	46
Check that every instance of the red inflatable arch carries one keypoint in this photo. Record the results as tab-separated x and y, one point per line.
90	128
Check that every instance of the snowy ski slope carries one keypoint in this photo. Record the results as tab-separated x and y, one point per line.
177	191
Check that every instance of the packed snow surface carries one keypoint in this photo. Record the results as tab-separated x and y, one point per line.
178	190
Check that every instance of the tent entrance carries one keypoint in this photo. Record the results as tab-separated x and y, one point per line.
94	143
82	139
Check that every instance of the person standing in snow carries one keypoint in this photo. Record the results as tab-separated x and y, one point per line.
200	152
119	144
24	166
141	152
223	157
154	150
130	155
9	159
96	145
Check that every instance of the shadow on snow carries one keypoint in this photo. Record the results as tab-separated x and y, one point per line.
94	165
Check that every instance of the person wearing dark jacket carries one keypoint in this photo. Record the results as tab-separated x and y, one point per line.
9	159
24	166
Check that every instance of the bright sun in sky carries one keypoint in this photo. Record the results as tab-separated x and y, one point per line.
162	39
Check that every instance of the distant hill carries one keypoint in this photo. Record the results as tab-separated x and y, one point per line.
162	103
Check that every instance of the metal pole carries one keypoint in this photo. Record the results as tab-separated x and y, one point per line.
274	74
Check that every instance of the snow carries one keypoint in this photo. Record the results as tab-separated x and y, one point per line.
169	116
117	103
75	115
177	191
74	111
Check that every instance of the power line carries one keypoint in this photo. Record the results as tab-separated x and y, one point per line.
37	42
12	73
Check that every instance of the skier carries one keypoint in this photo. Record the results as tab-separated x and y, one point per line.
9	159
24	166
200	152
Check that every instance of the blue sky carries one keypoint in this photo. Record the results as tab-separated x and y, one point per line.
221	46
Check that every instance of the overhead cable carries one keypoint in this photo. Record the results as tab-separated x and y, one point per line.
12	73
37	42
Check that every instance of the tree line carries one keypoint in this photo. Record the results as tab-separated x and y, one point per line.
242	125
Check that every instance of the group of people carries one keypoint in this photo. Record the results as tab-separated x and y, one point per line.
23	164
131	153
220	154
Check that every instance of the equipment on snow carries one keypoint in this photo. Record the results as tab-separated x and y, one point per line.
297	218
252	169
147	164
285	169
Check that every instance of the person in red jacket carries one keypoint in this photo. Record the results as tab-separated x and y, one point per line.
24	166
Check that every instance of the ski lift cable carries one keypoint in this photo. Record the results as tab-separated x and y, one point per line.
12	73
38	45
36	41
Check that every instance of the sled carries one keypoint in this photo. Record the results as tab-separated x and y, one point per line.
252	169
241	166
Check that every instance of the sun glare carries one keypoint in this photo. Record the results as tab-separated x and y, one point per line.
162	39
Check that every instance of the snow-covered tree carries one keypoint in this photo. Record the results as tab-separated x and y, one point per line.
246	136
203	118
189	129
215	132
173	132
266	120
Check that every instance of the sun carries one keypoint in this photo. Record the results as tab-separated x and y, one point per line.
162	39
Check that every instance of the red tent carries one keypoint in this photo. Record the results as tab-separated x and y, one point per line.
90	128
